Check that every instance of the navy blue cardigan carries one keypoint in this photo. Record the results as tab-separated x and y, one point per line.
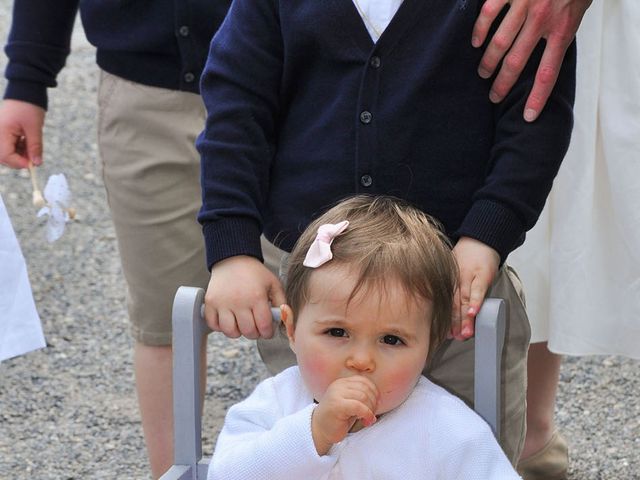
162	43
303	110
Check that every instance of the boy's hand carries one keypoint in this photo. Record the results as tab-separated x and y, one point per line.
478	264
346	401
524	25
20	133
238	296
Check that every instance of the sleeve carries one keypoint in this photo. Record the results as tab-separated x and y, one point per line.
38	45
477	457
525	158
240	87
258	442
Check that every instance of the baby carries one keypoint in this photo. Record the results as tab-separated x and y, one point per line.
369	289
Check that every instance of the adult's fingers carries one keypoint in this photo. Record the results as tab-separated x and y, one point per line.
514	62
502	40
546	76
488	13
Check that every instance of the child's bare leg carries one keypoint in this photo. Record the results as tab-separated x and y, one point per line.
153	369
153	384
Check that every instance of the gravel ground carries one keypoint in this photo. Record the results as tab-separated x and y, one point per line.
69	411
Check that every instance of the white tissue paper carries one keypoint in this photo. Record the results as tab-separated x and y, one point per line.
58	198
20	327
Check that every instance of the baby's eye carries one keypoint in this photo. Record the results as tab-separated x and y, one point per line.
336	332
392	340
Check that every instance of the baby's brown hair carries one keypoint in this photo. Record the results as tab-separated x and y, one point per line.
387	239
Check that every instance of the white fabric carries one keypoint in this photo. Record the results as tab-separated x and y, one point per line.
376	15
580	265
431	435
20	328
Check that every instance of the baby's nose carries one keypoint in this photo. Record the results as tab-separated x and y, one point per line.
361	360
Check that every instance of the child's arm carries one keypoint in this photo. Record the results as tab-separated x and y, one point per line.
525	159
37	47
259	441
240	87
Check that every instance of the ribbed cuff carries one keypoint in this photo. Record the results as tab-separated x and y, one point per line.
30	92
231	237
493	224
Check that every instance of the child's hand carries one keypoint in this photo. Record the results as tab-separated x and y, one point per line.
20	133
238	295
346	401
478	265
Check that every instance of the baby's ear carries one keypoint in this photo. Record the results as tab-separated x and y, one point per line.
286	316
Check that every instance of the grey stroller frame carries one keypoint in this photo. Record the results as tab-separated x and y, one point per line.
189	328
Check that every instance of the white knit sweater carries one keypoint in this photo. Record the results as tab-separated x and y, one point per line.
432	435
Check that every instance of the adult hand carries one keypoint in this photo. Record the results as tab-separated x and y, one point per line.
526	22
20	133
238	296
346	401
478	264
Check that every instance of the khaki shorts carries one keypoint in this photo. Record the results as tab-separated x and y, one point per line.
151	172
452	364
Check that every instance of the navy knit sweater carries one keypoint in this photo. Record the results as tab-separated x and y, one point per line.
303	110
161	43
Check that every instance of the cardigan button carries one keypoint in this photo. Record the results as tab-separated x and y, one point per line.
365	117
183	31
366	180
375	62
189	77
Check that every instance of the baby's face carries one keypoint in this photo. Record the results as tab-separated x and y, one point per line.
382	334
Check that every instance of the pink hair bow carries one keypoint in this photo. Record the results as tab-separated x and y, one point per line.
320	250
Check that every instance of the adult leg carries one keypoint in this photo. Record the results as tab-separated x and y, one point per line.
151	172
